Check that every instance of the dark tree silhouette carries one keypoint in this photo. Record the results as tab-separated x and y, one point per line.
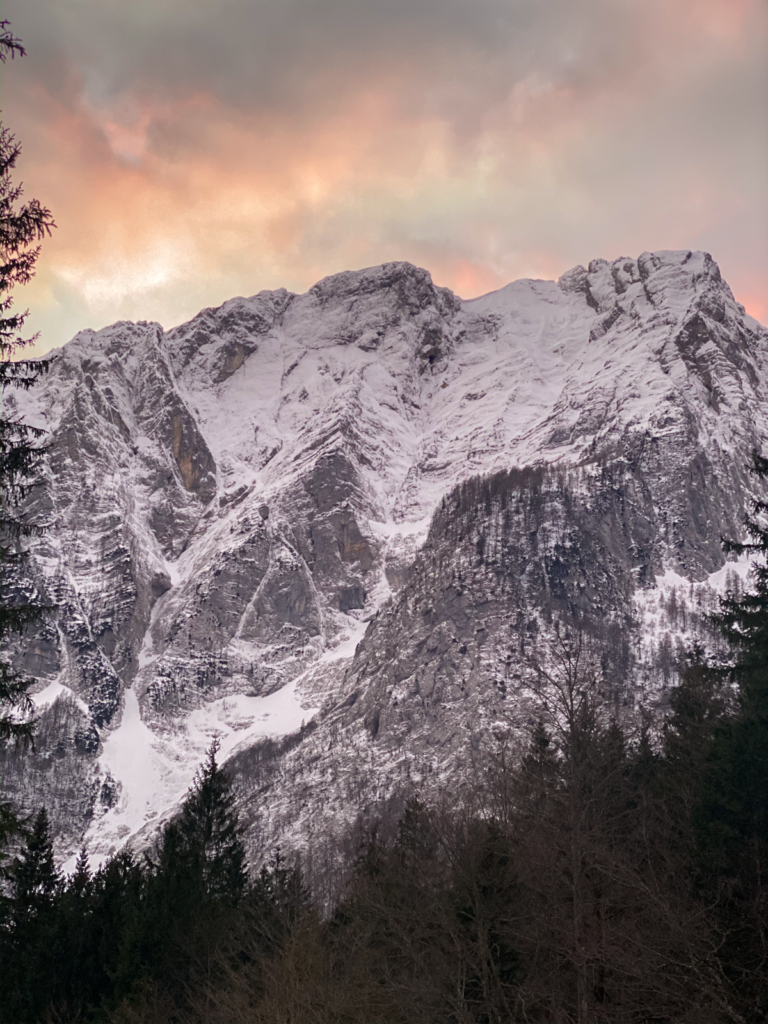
21	229
34	887
208	835
732	814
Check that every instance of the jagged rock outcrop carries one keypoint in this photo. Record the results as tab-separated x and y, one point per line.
230	505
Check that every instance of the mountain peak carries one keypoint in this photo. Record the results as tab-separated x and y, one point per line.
230	502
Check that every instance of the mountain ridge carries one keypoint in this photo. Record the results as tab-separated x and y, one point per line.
233	502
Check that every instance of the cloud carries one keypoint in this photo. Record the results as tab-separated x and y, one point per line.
191	151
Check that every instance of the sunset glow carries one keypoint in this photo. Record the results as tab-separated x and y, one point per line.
191	152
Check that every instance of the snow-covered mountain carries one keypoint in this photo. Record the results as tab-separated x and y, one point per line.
267	523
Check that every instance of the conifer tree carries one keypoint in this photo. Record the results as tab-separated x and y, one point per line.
34	878
20	453
80	883
115	958
743	618
35	885
731	818
197	879
210	834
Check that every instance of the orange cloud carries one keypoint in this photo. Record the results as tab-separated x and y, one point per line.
166	203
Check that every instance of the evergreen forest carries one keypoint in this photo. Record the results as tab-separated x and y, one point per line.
601	874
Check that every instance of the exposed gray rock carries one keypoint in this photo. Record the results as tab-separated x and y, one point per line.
229	504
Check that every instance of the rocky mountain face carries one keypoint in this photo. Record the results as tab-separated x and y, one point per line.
331	528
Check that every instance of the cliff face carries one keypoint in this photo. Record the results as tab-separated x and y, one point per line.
231	505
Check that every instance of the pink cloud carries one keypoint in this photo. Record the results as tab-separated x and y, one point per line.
168	201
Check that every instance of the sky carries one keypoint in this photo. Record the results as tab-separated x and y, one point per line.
192	150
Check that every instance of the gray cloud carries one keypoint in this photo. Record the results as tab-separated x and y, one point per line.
512	136
298	55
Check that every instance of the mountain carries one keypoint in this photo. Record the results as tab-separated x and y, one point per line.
331	528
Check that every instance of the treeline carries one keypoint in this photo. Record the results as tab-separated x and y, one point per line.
599	878
138	938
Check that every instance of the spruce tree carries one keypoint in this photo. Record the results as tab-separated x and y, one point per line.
115	960
34	878
35	885
210	834
72	968
743	618
197	879
731	817
737	779
80	884
20	452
